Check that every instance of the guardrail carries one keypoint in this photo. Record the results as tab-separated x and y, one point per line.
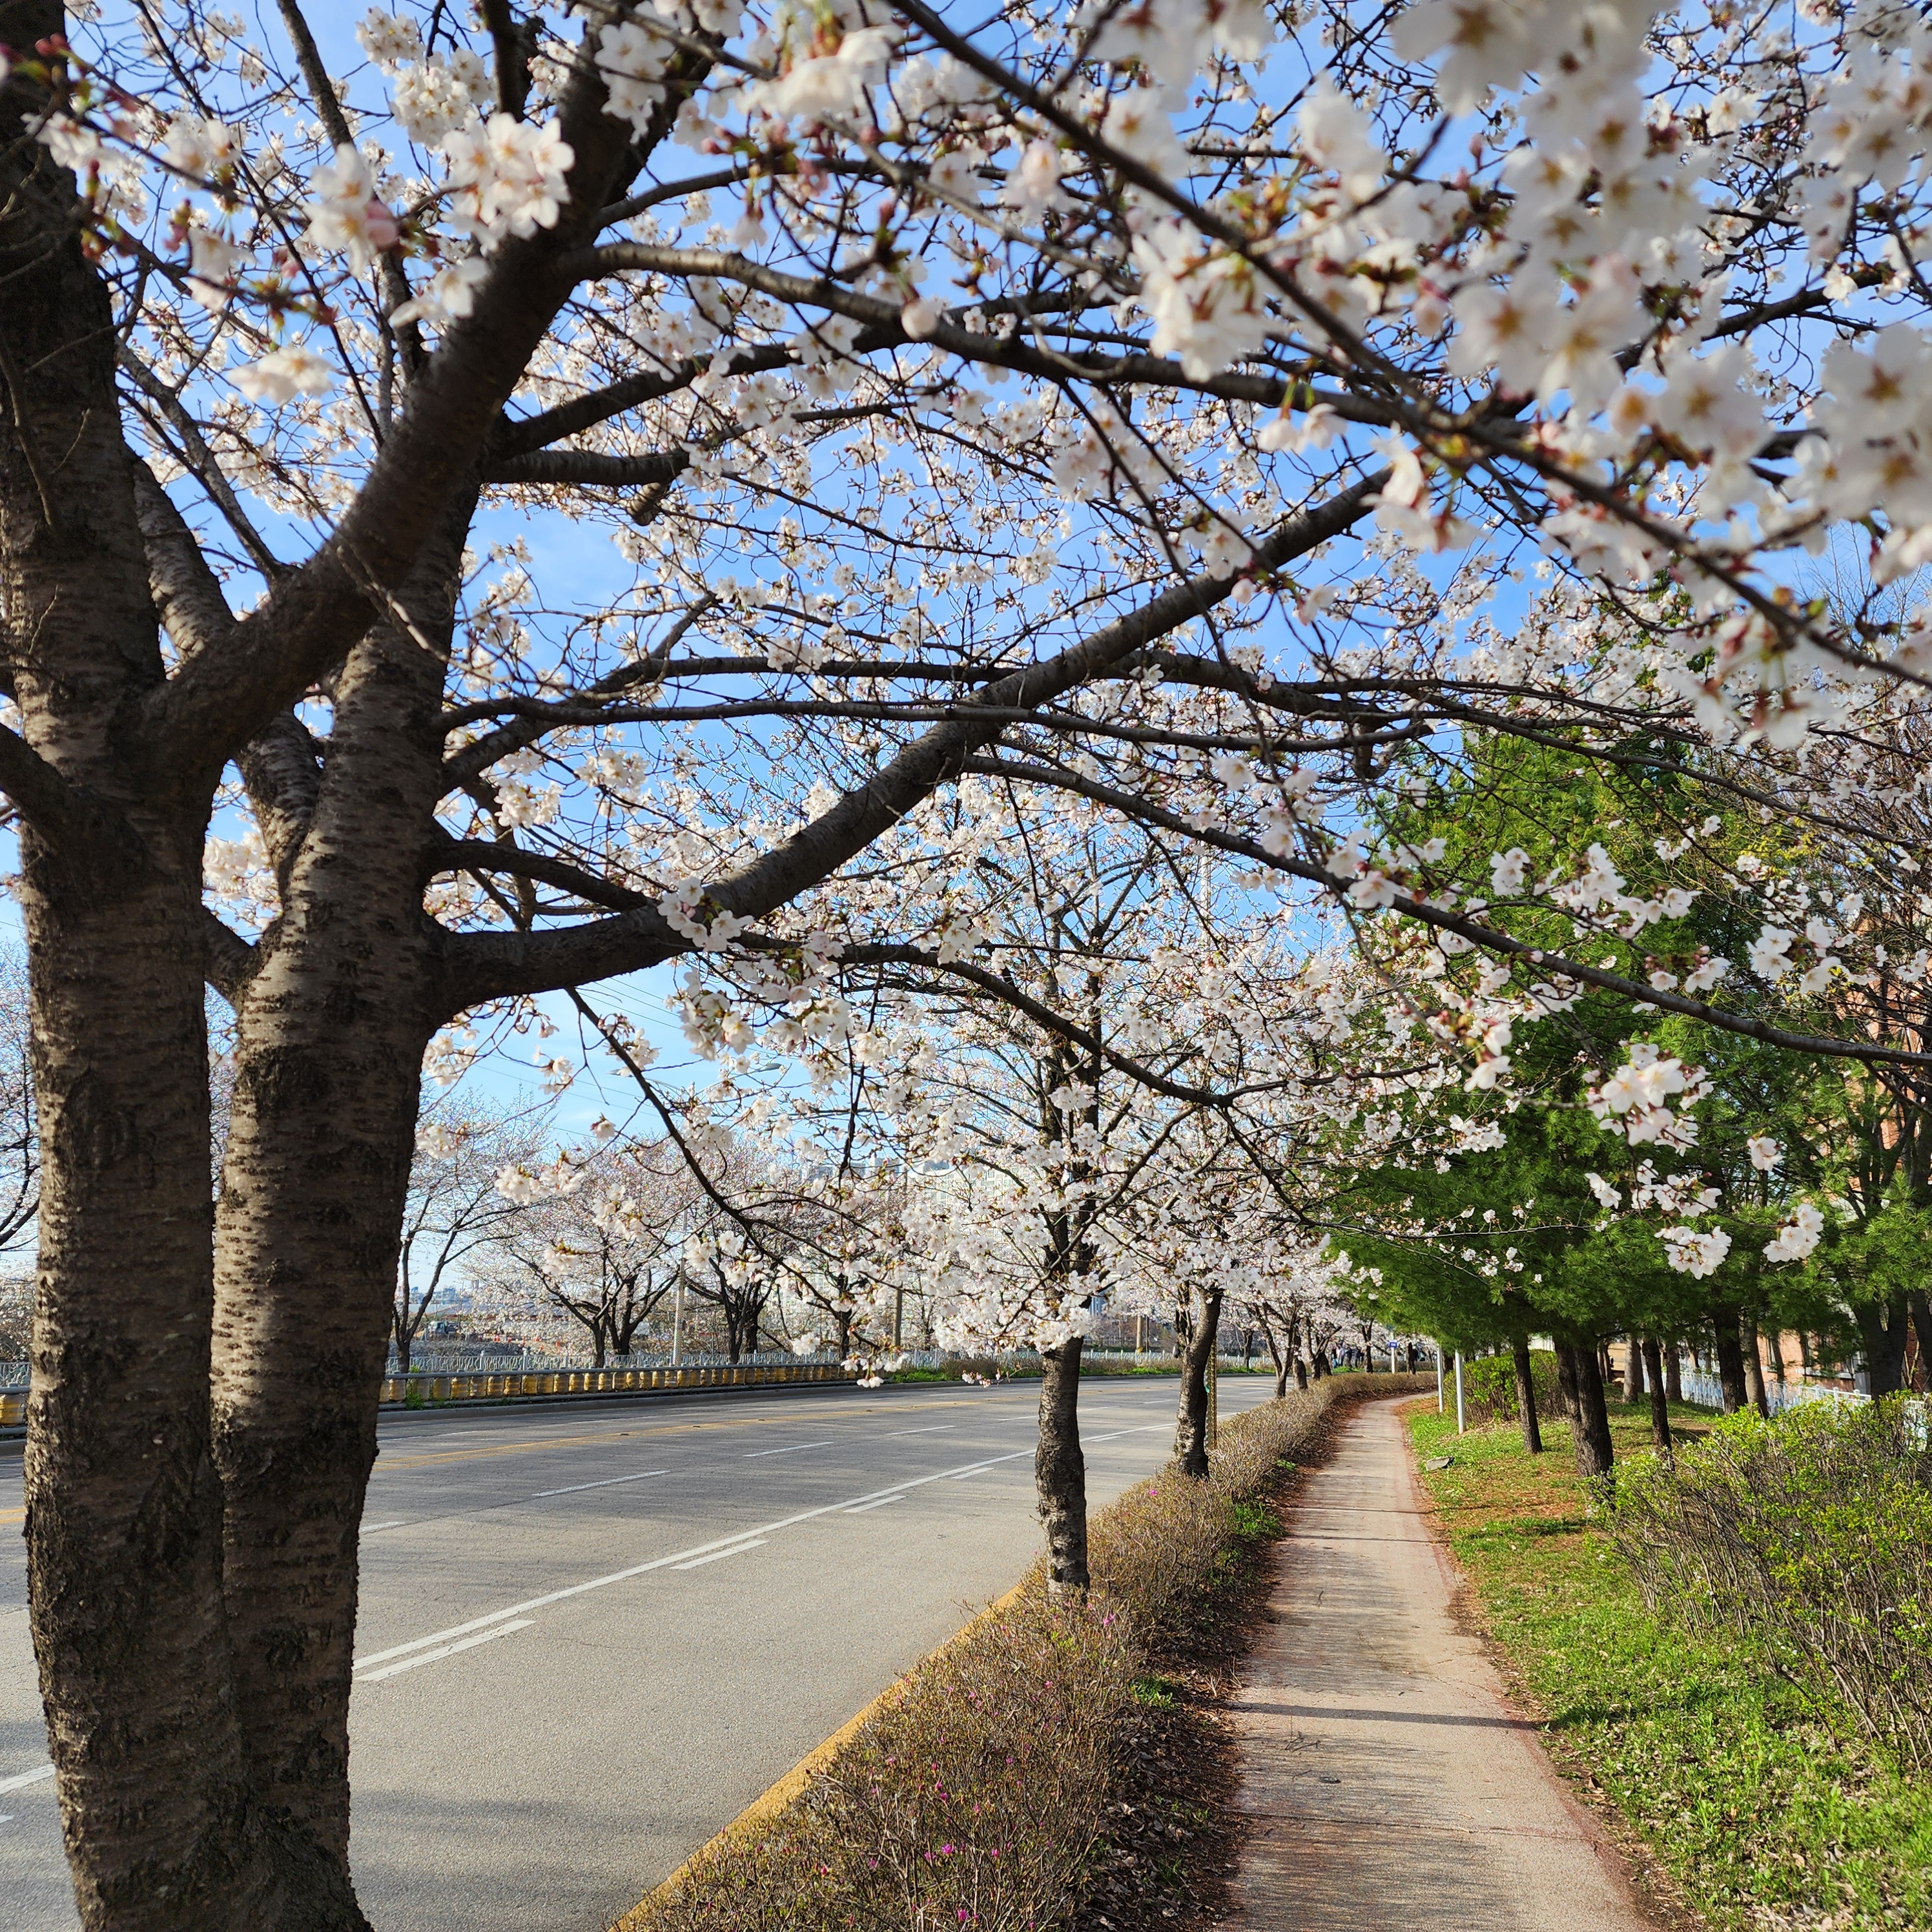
428	1389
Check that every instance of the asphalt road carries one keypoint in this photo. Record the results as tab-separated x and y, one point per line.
591	1635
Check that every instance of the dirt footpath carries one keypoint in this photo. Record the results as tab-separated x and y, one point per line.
1385	1782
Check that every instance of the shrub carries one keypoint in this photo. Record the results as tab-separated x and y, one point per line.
975	1794
1489	1387
1809	1536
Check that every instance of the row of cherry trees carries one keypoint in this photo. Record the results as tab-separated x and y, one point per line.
485	513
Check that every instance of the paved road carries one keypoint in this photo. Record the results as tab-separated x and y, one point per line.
1388	1784
590	1635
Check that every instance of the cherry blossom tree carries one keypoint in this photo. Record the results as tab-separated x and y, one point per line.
453	1207
595	1234
1318	336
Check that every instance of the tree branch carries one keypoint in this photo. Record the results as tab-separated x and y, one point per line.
226	694
1489	938
479	967
589	466
229	961
1043	1016
186	592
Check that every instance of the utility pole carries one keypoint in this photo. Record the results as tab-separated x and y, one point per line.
1458	1392
677	1321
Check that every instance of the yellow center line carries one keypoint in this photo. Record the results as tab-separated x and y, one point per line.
13	1516
383	1462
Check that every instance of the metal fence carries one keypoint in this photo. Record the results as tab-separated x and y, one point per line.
1706	1391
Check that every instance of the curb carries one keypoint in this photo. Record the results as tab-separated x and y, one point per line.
776	1797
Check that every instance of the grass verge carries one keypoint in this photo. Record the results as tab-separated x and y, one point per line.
1049	1763
1757	1813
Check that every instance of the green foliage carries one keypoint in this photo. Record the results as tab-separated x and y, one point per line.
1553	1260
1489	1387
1764	1815
1809	1538
1156	1693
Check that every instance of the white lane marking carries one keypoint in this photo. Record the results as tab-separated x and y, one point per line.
371	1528
877	1502
446	1650
789	1449
937	1429
719	1555
962	1475
609	1482
22	1779
676	1557
6	1817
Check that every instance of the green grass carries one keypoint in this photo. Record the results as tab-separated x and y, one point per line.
1156	1693
1763	1817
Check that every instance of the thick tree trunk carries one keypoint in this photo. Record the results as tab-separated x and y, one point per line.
1060	1468
1566	1382
1754	1365
1280	1360
1659	1403
123	1522
1300	1372
1633	1374
1525	1399
330	1033
1594	1455
1673	1372
1921	1327
1882	1327
1190	1431
1724	1319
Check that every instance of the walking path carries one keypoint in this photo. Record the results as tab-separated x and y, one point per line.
1386	1782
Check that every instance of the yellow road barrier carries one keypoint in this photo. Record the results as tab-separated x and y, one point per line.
588	1381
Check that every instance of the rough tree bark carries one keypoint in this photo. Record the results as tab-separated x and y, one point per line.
1525	1397
1279	1356
1730	1353
1754	1365
331	1026
123	1504
199	1767
1660	1400
1594	1454
1060	1468
1566	1382
1673	1372
1190	1431
1882	1327
1633	1374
